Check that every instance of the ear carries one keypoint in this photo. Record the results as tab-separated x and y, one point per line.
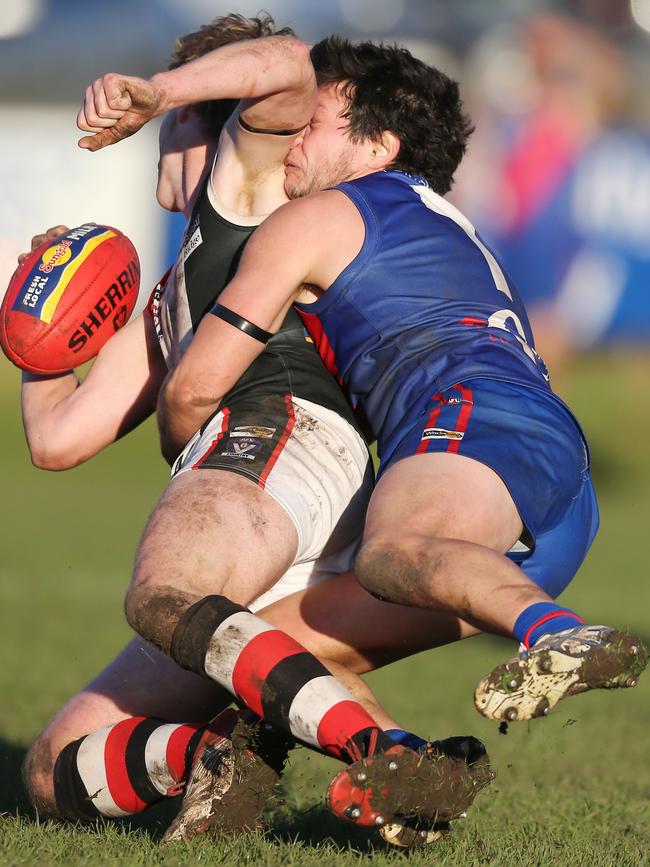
384	151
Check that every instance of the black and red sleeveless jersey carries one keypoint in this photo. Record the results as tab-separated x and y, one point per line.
209	255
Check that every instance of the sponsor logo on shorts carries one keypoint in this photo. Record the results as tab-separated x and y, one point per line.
245	448
457	400
439	433
254	431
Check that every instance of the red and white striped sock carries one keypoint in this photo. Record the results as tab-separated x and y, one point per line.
122	769
275	677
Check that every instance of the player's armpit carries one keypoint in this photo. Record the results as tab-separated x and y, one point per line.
67	421
256	139
249	173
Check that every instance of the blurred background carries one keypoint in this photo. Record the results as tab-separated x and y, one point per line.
557	180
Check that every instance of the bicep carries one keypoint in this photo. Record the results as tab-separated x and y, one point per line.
287	251
220	353
287	95
306	241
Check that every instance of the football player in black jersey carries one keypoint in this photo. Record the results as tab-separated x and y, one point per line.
260	518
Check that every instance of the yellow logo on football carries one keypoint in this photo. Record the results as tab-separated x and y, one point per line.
54	256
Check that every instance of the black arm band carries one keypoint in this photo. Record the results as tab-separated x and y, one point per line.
243	324
250	128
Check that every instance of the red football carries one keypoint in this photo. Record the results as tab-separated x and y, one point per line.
67	297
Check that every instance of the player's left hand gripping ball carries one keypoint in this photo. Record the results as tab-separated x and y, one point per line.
68	297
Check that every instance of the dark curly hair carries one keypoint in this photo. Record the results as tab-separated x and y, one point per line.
221	31
389	89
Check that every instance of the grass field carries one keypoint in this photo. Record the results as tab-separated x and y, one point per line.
571	789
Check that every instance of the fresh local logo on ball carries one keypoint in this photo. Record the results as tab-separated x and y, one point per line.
54	256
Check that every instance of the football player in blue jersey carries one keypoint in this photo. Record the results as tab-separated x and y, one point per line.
131	736
484	506
484	471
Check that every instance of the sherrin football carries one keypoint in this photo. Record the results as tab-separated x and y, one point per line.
68	297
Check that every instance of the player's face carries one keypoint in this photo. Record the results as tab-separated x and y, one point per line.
324	155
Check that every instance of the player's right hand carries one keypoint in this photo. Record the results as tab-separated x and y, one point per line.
116	106
37	240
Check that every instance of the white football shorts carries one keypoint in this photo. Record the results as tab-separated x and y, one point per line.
310	460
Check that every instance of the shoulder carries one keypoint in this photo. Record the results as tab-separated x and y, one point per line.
312	239
316	212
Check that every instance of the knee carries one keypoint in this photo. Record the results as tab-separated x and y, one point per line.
132	605
401	572
38	778
381	568
154	610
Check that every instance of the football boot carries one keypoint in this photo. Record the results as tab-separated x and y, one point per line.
415	794
235	767
559	665
411	832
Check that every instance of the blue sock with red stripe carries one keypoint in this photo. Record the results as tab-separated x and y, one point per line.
541	618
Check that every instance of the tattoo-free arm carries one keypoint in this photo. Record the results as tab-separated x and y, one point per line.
67	421
308	241
274	73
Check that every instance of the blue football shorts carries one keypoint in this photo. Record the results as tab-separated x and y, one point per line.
534	443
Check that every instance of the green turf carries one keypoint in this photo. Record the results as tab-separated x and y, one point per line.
571	789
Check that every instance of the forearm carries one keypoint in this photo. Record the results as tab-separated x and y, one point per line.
179	417
43	401
66	422
243	70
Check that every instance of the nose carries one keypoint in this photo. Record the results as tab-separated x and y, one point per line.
297	142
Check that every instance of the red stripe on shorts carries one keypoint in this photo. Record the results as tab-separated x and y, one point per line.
286	433
257	660
463	416
176	752
344	716
117	775
224	430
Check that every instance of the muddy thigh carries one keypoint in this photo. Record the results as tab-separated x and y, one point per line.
214	532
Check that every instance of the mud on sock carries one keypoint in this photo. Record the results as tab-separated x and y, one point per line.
275	677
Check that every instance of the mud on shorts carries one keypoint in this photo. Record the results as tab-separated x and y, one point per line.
310	460
534	443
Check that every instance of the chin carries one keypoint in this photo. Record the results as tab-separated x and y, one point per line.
292	191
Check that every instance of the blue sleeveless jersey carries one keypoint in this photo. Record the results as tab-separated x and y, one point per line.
423	306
